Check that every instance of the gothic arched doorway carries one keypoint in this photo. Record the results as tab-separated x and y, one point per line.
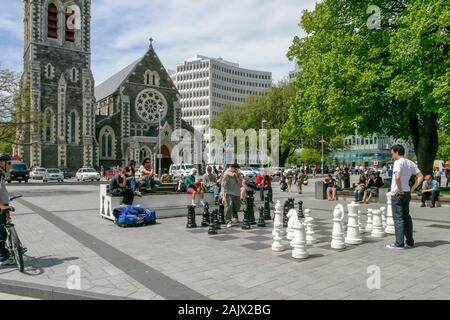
166	160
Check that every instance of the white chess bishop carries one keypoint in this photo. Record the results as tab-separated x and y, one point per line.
353	234
299	241
390	224
338	232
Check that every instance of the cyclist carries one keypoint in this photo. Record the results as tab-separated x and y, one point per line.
5	166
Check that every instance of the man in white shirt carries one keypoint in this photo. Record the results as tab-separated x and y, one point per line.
403	170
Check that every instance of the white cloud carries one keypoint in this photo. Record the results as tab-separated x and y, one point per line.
255	33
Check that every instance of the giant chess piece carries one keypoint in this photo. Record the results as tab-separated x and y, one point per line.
310	233
222	214
215	215
285	212
250	200
369	224
353	234
212	225
293	216
270	195
205	220
261	221
361	229
377	229
301	215
278	218
299	242
390	224
191	224
384	217
267	215
277	244
246	223
340	207
338	233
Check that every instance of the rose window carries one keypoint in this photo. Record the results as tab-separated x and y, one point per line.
148	106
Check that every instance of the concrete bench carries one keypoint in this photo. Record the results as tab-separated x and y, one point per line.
155	201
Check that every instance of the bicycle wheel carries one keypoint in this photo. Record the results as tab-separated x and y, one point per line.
16	247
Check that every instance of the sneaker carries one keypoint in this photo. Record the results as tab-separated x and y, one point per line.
193	204
229	225
138	194
393	246
407	246
7	262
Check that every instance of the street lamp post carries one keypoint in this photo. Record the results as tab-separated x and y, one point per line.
263	121
323	167
160	111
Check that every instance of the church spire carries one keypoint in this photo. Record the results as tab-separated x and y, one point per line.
151	42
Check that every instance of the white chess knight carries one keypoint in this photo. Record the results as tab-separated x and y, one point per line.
293	216
310	234
377	229
369	225
390	224
299	241
353	234
278	219
338	232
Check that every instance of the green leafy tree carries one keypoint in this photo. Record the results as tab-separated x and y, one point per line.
392	79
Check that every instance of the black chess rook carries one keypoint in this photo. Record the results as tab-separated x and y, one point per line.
261	221
191	224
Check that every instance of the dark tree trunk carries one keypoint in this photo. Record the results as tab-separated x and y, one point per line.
284	155
424	132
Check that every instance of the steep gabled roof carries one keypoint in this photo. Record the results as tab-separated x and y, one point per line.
109	86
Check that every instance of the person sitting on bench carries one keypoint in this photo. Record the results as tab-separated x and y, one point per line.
118	187
373	185
430	189
148	182
193	188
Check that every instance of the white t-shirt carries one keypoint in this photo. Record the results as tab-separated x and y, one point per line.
407	168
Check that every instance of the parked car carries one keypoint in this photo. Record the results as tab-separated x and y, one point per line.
19	172
177	170
247	173
53	175
68	173
255	170
85	174
37	173
110	173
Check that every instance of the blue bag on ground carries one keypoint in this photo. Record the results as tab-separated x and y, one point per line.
131	216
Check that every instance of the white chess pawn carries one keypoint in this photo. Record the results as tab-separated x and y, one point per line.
310	234
390	224
278	219
361	229
338	233
299	241
353	234
307	213
377	229
369	225
383	217
292	215
277	244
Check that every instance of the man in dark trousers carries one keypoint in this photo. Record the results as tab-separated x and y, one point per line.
404	169
430	189
120	188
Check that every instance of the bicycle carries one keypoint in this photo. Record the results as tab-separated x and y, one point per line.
13	244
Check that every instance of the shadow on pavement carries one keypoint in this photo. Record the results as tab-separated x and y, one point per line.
35	266
432	244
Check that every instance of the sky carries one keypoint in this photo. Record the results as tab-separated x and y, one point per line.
254	33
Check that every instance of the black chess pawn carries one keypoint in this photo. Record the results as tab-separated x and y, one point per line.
191	224
212	225
246	223
285	212
216	219
205	221
270	195
261	221
301	214
250	199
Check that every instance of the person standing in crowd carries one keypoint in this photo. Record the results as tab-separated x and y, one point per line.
211	183
437	176
302	179
289	177
403	170
5	167
193	188
339	178
118	187
148	182
231	192
430	189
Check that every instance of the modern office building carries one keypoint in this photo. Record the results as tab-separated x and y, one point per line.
294	73
206	84
370	151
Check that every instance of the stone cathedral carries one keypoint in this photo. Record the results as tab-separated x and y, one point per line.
81	125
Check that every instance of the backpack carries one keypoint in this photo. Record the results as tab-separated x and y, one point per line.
131	216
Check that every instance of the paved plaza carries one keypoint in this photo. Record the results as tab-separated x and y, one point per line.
61	227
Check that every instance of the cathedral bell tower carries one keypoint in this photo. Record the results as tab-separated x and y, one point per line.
57	85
